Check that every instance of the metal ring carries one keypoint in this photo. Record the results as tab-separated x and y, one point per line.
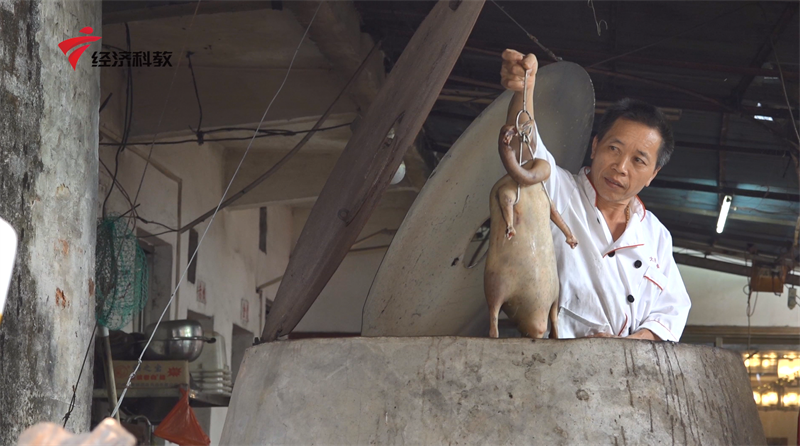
519	127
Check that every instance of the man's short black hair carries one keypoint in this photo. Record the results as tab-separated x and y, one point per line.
644	113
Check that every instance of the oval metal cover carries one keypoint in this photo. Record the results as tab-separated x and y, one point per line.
420	290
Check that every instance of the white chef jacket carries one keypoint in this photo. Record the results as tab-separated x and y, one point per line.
608	286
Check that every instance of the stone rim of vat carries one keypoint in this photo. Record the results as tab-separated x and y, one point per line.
435	390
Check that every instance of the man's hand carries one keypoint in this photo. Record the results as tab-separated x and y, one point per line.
512	73
512	77
644	333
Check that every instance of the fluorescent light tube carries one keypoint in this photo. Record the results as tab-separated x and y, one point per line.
723	213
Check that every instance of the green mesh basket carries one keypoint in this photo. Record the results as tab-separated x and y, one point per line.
121	274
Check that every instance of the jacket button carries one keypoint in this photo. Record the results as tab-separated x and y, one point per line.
630	298
611	254
637	264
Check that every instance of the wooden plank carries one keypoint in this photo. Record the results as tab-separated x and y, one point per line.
370	159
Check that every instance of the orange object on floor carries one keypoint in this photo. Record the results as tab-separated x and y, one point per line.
180	425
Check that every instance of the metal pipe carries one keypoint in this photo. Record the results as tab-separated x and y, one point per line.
108	365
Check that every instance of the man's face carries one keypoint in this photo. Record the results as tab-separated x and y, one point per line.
624	161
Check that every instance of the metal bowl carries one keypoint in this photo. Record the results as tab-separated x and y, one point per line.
176	340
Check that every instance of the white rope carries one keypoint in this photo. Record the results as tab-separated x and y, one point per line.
200	242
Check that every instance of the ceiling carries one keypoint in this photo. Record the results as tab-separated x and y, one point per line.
711	65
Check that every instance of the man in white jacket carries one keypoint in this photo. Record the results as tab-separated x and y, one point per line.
621	280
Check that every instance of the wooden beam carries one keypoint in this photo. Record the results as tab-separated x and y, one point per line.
680	185
370	159
724	267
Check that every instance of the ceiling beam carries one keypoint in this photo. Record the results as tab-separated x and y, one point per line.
680	185
477	46
731	149
715	214
179	10
586	57
679	230
703	102
716	249
724	267
764	52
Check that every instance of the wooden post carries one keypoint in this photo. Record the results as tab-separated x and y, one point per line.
370	159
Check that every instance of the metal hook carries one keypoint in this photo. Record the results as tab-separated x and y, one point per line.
525	131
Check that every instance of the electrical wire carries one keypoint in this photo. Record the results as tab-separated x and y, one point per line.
166	101
300	144
699	25
783	86
136	216
198	132
213	216
128	119
278	132
530	36
78	381
597	23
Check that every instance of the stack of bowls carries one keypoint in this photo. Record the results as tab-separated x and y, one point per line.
210	372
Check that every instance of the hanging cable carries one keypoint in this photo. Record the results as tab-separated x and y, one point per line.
213	216
126	125
783	86
590	3
292	152
197	132
530	36
166	101
265	133
699	25
78	381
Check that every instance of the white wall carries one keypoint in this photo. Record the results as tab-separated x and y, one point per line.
718	299
338	308
229	261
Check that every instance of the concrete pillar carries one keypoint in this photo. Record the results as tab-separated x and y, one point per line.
48	188
480	391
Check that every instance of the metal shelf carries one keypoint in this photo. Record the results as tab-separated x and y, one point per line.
196	397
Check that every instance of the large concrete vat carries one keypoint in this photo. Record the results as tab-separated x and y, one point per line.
475	391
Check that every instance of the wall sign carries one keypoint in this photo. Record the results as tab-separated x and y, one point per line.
201	292
245	310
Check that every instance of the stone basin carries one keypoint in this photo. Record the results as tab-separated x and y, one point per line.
480	391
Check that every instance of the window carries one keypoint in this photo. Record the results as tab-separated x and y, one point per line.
262	229
192	248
